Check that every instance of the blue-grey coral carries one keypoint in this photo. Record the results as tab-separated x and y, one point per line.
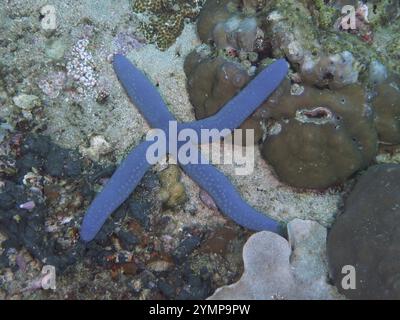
148	100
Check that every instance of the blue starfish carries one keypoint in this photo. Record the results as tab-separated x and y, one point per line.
147	99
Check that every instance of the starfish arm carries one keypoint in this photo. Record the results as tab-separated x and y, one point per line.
240	107
228	199
142	93
150	104
116	191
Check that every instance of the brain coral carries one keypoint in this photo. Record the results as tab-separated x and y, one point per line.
387	110
367	236
162	21
319	138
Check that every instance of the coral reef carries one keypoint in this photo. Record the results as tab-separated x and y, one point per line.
162	21
366	236
62	110
276	269
138	254
327	135
333	71
143	252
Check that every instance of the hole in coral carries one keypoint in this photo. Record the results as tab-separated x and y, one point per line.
317	113
328	76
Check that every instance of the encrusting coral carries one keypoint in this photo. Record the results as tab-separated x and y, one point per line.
162	21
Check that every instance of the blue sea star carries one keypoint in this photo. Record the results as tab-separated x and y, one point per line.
147	99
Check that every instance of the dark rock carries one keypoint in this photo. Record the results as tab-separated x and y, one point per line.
6	201
27	162
139	211
166	289
367	236
185	248
55	162
128	240
199	288
120	213
72	167
100	172
39	145
103	236
11	243
184	295
4	261
149	182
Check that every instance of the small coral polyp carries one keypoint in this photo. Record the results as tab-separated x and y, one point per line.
322	145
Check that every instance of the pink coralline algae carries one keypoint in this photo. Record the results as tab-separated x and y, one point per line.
125	42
